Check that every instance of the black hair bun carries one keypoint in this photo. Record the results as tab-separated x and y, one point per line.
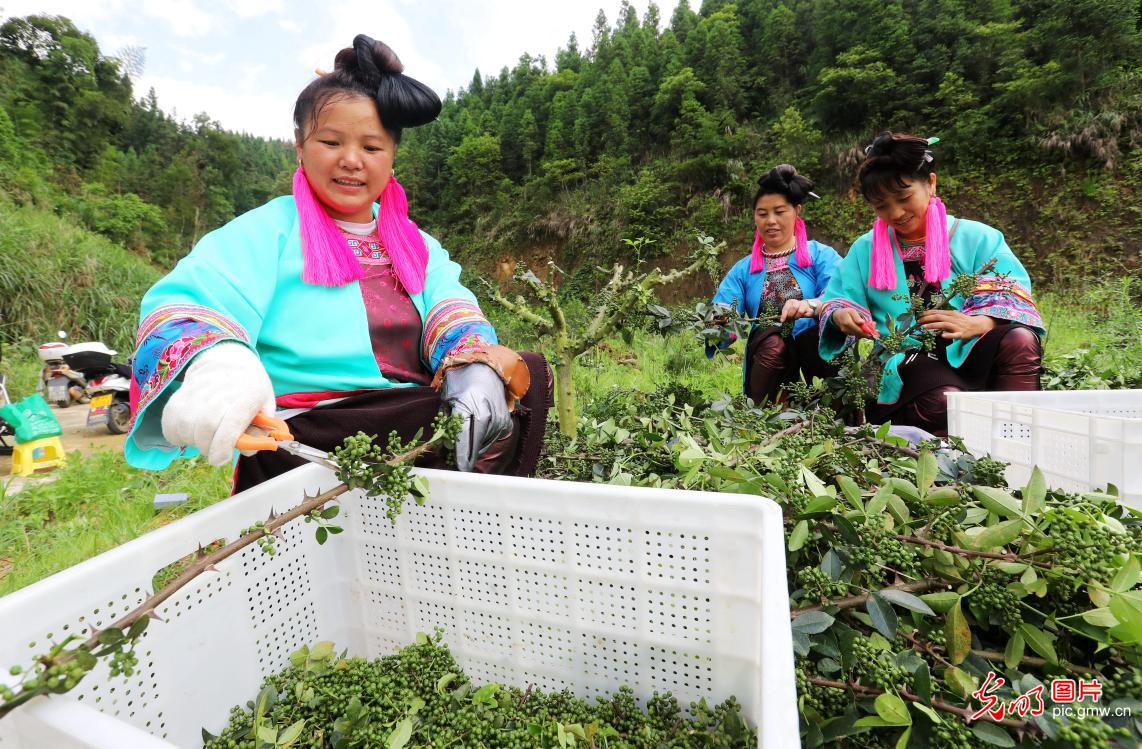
401	101
783	179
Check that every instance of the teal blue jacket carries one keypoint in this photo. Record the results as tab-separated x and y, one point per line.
243	282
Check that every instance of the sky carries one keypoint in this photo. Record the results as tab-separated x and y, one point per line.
243	62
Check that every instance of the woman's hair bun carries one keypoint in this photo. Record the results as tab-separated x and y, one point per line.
373	66
783	179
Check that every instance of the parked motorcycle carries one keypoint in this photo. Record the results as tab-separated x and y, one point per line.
108	385
59	383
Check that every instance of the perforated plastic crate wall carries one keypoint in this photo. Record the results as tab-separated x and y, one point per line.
1081	439
555	584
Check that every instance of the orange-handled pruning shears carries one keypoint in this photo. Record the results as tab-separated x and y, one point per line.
280	438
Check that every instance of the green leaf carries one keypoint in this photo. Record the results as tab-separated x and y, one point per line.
1101	617
922	681
291	734
322	535
873	721
443	682
902	742
941	602
799	535
945	496
321	650
815	486
925	471
852	491
110	636
997	501
832	565
892	709
904	489
398	739
331	512
957	634
1035	493
268	734
1039	641
879	501
419	488
883	617
421	638
140	625
1127	608
1126	578
992	734
960	682
818	505
813	622
996	536
1013	654
907	600
898	509
935	716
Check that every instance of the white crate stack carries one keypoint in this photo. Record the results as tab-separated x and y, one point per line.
556	584
1081	440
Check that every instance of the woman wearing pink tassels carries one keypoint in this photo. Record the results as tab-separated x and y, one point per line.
330	308
782	279
988	340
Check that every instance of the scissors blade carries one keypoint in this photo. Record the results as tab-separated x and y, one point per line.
312	454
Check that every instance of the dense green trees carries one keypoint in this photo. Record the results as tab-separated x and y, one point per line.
651	130
73	139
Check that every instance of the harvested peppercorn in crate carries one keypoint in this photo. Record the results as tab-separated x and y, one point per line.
553	584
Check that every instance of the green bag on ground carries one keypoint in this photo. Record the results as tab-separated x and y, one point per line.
31	419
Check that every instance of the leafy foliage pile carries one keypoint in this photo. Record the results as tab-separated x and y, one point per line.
912	574
420	697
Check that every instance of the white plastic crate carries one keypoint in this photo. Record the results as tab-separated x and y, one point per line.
1081	440
556	584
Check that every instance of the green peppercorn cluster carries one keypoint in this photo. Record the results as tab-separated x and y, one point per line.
817	586
1086	546
266	541
873	667
877	548
1089	733
353	702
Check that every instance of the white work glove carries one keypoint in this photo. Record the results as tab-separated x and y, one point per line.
223	388
476	392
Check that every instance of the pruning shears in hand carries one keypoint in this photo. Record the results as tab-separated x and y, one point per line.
280	438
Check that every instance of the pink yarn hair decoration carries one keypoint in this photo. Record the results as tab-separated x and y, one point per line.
328	259
937	249
882	264
756	257
804	259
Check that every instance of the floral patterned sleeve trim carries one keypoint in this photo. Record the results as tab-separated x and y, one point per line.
454	326
168	338
1004	299
829	307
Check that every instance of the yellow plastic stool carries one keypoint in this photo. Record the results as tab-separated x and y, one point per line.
29	457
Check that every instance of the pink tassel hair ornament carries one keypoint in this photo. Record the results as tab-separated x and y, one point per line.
328	259
756	258
882	265
804	259
937	252
402	238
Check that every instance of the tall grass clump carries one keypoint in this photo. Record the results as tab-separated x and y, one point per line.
57	276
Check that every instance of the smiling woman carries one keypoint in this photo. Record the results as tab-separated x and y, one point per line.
987	340
332	306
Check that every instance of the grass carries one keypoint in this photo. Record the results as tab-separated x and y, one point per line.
95	504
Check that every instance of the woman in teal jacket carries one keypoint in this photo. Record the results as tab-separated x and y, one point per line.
783	277
330	308
987	340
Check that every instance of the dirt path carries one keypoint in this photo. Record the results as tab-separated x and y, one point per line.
76	436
